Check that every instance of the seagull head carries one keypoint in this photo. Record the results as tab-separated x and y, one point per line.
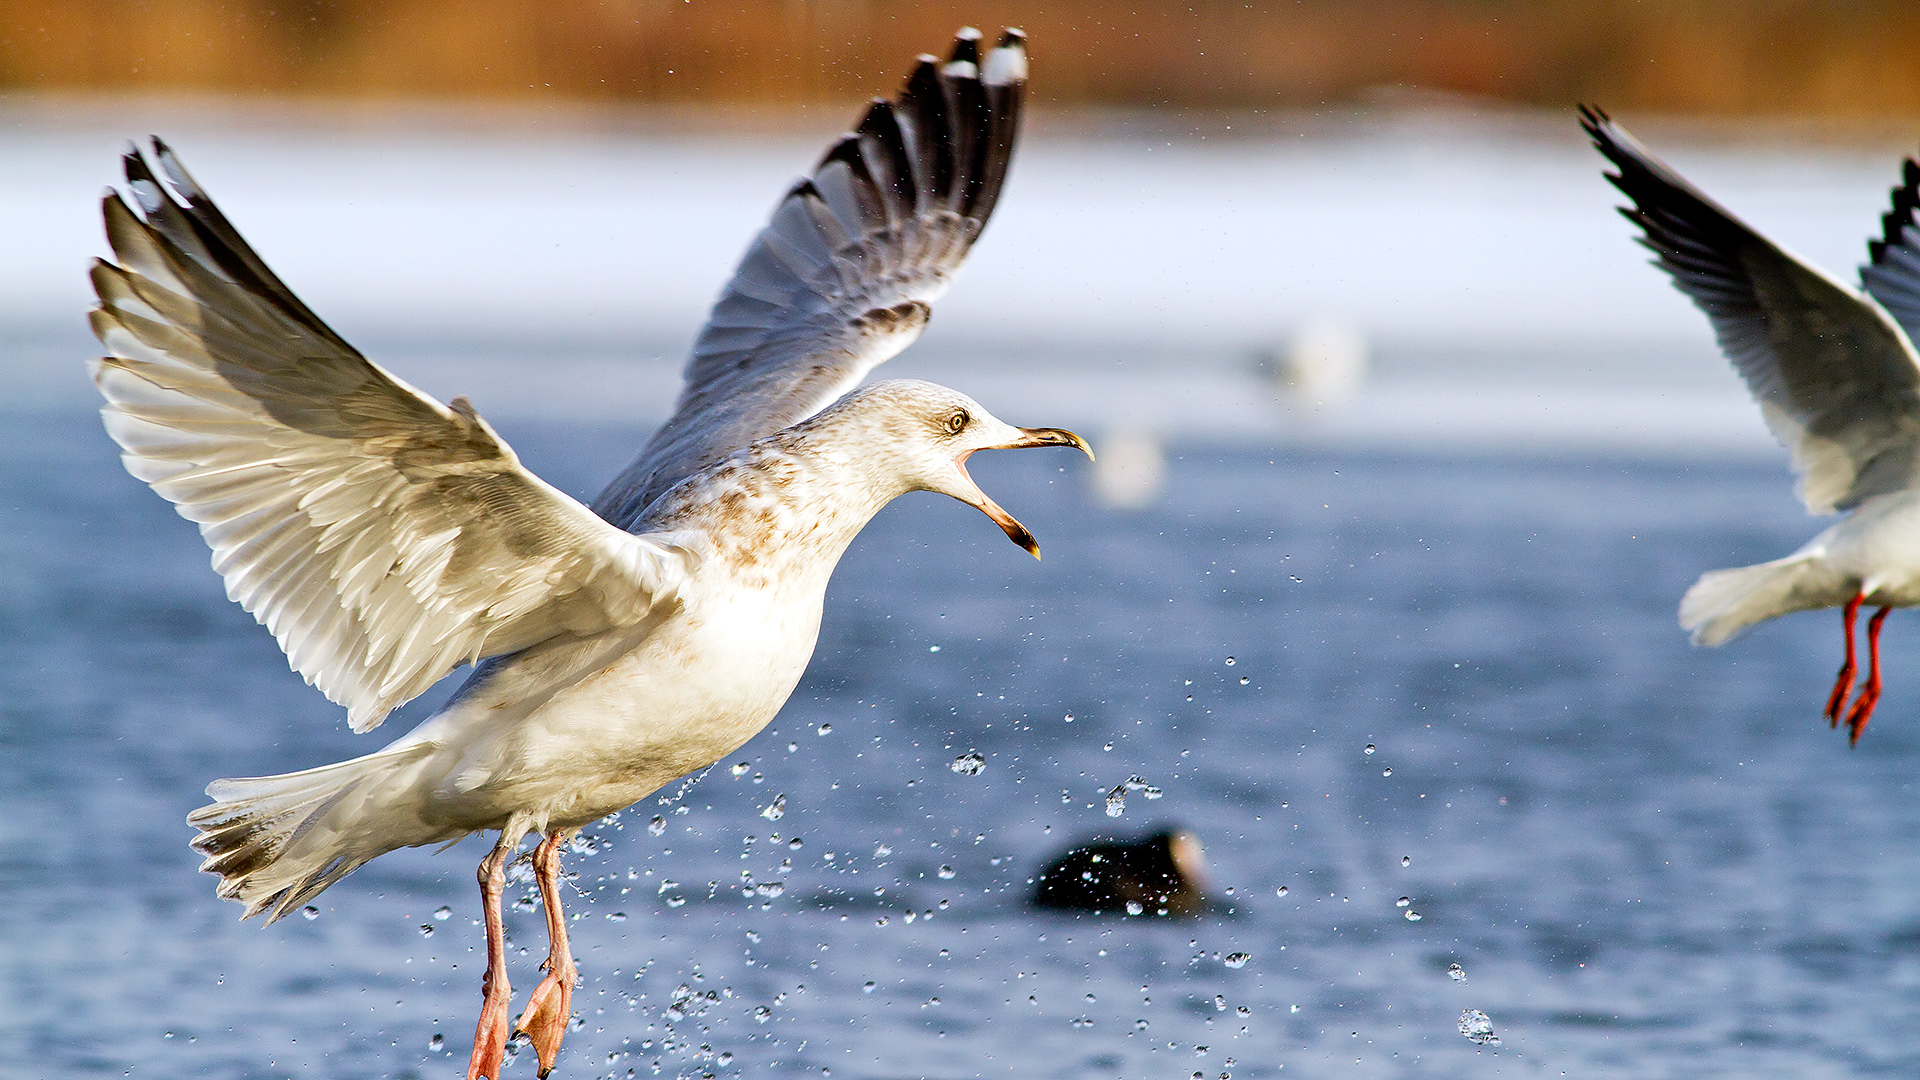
933	431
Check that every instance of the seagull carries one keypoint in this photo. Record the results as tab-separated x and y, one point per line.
1837	378
386	538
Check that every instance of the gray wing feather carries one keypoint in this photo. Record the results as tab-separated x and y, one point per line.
383	537
843	276
1836	377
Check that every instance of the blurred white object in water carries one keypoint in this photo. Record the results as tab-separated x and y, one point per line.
1130	470
1325	363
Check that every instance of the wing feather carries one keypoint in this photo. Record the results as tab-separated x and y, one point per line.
843	276
382	537
1892	273
1836	377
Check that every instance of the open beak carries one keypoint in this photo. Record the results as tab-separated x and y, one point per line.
1029	437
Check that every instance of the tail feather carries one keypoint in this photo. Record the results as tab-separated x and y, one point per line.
1724	602
278	841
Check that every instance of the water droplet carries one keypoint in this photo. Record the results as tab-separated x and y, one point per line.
763	1014
1082	1022
309	913
1369	750
443	913
1231	661
1134	908
771	888
969	764
1139	1025
1069	718
1456	973
1117	800
1406	860
1386	772
1244	680
1403	901
616	916
582	844
823	729
1281	891
868	989
794	844
882	851
437	1043
1237	960
1478	1028
776	809
1151	792
1219	1003
657	826
947	873
740	768
426	929
676	901
1413	916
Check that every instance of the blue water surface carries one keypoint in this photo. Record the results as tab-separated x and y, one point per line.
1451	679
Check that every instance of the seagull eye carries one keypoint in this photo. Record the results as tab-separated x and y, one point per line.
957	423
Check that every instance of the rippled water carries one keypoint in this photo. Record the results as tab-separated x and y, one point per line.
1646	860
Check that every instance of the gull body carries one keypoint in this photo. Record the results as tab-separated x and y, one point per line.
386	538
1837	377
566	734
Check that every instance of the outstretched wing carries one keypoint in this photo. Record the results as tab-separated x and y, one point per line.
1892	273
1835	376
843	276
383	537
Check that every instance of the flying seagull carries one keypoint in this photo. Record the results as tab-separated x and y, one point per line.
1837	378
386	539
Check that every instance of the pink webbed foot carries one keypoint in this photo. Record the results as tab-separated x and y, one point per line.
548	1012
551	1006
490	1035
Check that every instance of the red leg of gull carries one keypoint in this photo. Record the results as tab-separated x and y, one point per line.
490	1037
551	1005
1837	701
1869	693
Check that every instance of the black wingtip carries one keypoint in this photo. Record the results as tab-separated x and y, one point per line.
966	47
1597	124
1895	222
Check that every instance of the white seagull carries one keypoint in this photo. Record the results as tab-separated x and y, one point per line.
386	539
1837	378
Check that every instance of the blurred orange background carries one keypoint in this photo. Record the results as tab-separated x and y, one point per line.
1826	57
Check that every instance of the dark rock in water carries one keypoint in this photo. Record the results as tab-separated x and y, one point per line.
1163	873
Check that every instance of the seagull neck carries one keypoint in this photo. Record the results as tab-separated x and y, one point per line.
785	502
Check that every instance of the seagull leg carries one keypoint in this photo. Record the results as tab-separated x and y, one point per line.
1869	693
1837	701
551	1006
490	1037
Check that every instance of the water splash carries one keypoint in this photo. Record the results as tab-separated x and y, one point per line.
1478	1028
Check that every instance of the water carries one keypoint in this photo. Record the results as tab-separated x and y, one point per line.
1656	861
